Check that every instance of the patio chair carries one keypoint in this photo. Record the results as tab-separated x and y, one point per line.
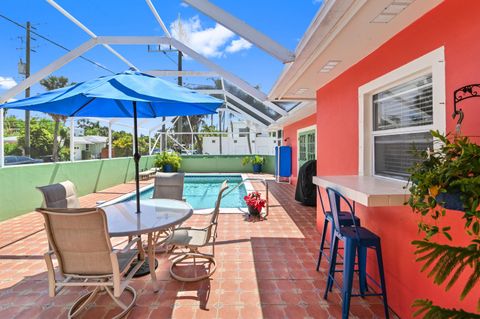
194	238
81	243
59	195
169	185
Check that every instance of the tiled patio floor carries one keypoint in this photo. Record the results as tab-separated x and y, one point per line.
265	269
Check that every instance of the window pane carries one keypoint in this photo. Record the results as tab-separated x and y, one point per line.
311	146
394	154
406	105
302	148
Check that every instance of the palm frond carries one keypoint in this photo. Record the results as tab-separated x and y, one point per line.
449	261
430	311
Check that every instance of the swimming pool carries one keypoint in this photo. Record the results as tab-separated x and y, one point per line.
201	191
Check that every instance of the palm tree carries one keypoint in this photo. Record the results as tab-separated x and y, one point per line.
53	83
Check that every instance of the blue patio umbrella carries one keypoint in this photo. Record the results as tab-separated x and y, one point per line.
129	94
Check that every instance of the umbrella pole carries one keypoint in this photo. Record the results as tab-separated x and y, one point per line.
136	155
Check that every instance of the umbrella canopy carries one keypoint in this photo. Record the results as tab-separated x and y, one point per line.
128	94
112	96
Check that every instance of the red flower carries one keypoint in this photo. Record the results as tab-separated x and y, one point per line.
254	199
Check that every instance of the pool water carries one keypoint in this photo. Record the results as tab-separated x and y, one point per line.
201	191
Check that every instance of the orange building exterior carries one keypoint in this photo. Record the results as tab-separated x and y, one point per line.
455	26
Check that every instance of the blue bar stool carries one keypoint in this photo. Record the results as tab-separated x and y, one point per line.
355	239
345	220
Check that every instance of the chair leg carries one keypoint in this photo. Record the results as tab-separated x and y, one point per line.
382	279
348	270
362	269
322	243
80	303
332	268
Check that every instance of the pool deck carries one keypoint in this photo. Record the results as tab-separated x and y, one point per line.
266	269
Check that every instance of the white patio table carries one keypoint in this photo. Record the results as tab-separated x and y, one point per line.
156	215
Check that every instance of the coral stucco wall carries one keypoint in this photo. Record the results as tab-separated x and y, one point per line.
454	25
290	132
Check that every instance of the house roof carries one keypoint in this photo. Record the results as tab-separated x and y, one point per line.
92	139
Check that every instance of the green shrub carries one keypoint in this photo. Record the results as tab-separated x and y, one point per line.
253	160
165	158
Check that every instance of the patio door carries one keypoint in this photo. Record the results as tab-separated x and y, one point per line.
306	146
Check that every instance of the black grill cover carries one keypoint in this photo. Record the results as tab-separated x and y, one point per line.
306	190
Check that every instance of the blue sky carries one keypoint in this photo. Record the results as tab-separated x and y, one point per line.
283	20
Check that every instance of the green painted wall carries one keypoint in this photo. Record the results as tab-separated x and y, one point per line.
17	184
222	164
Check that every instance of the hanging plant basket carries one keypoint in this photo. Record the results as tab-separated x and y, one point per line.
451	200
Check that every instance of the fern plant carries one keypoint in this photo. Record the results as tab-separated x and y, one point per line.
452	168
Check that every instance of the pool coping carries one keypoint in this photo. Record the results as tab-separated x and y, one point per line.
204	211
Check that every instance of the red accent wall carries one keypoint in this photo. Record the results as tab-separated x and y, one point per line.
453	24
290	132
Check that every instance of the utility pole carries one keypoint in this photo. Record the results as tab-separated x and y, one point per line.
180	83
27	91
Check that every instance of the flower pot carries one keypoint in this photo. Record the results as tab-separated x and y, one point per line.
168	168
257	168
450	200
252	211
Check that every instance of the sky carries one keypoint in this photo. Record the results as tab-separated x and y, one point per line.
283	20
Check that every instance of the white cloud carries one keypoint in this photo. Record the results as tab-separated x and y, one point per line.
238	45
183	4
7	82
210	42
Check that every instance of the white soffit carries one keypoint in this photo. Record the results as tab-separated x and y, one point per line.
345	31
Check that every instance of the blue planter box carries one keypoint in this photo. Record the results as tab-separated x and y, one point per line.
257	168
168	168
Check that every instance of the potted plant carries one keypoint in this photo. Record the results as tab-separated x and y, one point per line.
255	203
447	178
257	162
168	161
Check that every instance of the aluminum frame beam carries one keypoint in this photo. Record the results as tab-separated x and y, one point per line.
158	18
52	67
233	107
243	29
88	31
181	73
241	102
68	57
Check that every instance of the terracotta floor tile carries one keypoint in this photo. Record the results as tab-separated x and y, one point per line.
266	269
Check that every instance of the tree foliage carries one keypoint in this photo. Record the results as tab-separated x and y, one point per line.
53	83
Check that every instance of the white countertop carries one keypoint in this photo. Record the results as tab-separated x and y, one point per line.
369	191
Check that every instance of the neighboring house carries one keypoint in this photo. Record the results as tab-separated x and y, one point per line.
237	141
10	139
90	146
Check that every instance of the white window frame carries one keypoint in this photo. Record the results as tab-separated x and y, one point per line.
430	63
306	129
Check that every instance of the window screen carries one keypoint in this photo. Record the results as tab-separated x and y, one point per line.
396	113
394	154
